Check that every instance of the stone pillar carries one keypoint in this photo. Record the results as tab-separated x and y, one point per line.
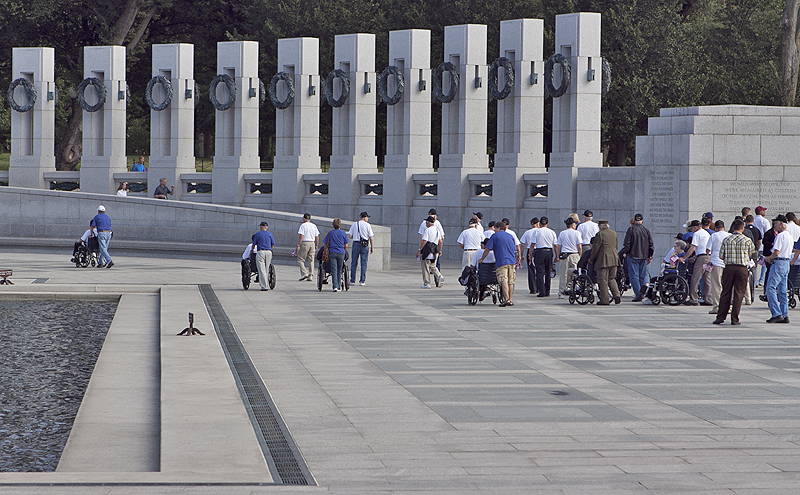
408	131
520	116
463	120
172	129
33	132
576	114
296	127
104	130
236	129
353	143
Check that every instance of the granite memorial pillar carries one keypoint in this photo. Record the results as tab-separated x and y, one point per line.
408	131
520	116
104	102
172	127
236	127
463	120
353	140
576	114
33	120
297	126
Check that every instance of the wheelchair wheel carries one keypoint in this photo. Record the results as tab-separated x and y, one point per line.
656	300
271	277
674	290
582	290
572	297
93	262
473	292
345	282
246	274
473	289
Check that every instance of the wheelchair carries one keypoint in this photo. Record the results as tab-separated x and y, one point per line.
668	287
792	294
250	272
85	254
582	289
623	282
481	283
324	271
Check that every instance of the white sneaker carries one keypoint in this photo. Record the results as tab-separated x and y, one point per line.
362	283
335	290
561	296
425	287
441	279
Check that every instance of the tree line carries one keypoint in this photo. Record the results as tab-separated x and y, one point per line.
663	53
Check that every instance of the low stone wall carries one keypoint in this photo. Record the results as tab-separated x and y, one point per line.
153	223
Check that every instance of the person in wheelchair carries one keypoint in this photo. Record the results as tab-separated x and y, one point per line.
249	260
85	248
480	278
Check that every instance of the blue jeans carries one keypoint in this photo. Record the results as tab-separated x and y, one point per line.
102	239
776	288
359	252
337	264
637	273
762	270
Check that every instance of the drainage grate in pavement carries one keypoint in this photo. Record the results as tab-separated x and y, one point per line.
285	461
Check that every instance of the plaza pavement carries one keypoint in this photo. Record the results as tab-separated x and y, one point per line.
389	388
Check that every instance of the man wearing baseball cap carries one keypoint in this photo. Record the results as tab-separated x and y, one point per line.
101	224
470	241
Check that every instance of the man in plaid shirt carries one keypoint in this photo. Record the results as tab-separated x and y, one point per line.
735	251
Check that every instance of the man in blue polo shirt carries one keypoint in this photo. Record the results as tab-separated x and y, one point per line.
263	242
101	223
506	255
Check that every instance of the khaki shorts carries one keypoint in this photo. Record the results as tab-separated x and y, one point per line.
506	273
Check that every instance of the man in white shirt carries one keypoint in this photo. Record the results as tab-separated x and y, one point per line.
587	229
428	252
568	248
306	247
779	272
470	241
541	249
526	241
700	238
792	227
718	265
361	234
438	225
489	230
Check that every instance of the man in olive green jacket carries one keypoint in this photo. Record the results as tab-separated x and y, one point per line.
605	259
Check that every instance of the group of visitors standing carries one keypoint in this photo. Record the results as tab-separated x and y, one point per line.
336	242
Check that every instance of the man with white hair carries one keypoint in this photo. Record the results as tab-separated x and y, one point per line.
101	224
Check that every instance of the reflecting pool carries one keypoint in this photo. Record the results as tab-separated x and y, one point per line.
47	353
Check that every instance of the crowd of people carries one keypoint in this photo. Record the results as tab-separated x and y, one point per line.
723	267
